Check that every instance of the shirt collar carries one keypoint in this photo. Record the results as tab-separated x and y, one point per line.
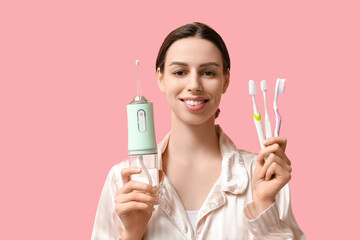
234	177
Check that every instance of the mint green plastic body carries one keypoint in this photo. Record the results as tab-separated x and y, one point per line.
141	143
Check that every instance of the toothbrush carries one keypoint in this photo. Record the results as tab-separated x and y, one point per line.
279	89
267	119
257	116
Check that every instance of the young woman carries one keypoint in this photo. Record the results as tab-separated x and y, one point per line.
208	188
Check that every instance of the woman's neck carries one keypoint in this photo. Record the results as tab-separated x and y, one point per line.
193	142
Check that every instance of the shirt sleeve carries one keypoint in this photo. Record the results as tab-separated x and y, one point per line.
275	222
107	223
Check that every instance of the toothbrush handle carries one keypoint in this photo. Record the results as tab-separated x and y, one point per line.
278	123
268	127
259	129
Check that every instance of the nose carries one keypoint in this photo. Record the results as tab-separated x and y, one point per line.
194	83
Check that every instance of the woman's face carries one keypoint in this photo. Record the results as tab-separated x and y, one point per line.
193	79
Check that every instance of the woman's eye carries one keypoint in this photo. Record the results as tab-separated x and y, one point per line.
179	73
209	73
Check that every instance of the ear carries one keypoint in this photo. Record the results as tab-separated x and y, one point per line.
160	80
227	80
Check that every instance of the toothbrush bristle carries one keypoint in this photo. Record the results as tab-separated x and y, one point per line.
263	86
252	88
282	85
137	62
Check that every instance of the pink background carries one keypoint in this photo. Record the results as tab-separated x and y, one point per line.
67	72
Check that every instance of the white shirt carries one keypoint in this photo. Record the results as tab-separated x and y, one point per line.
227	213
192	215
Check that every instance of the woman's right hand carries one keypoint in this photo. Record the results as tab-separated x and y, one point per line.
134	204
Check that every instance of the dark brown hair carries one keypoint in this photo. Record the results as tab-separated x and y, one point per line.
198	30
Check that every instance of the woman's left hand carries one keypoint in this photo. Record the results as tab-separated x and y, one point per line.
270	175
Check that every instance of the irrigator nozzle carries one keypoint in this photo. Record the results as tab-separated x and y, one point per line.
138	78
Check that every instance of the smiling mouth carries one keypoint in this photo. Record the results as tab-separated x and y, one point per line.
194	103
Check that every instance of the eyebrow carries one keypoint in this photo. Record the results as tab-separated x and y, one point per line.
202	65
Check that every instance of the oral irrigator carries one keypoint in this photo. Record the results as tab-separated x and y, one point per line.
142	146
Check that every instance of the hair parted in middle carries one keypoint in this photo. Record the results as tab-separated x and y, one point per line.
198	30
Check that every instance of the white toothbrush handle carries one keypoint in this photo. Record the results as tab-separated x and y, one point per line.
259	129
268	127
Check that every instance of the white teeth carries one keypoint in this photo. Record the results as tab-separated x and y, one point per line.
194	103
